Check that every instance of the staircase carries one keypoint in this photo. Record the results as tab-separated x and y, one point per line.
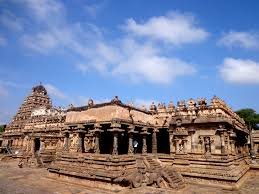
32	161
173	178
6	149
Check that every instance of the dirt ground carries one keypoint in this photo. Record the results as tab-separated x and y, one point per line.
14	180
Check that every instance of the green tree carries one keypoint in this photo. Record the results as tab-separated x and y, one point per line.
250	116
2	127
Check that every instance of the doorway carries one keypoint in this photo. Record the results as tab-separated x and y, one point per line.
37	144
106	142
163	145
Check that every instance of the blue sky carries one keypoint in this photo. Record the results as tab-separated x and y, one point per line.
142	51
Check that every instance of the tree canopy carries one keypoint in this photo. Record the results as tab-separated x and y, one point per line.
2	127
250	116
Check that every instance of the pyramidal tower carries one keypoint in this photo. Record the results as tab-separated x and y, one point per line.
38	98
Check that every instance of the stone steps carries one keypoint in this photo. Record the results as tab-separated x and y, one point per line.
173	178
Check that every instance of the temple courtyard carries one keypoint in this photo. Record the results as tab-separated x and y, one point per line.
17	180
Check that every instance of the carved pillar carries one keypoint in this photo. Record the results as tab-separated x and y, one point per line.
42	144
191	132
222	139
212	145
131	132
154	141
232	136
115	143
97	131
200	145
25	142
80	142
130	148
144	140
28	144
177	146
96	146
232	144
115	129
172	143
66	140
80	134
221	131
144	146
33	146
184	145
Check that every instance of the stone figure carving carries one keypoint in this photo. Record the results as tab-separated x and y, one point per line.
207	144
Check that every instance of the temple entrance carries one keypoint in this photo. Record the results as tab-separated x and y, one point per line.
163	145
123	143
37	144
106	142
83	144
137	138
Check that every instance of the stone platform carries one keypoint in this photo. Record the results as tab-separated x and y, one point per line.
36	180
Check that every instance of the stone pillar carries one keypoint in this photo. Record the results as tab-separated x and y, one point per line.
96	146
171	141
144	146
97	130
177	146
79	142
130	148
42	144
256	148
228	144
115	143
233	147
154	141
184	145
192	131
212	145
222	139
33	146
201	145
66	139
28	144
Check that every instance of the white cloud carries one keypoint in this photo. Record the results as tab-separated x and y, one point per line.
245	40
240	71
125	56
175	28
145	62
42	42
52	90
47	11
3	41
10	21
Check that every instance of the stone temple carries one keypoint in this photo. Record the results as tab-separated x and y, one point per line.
114	145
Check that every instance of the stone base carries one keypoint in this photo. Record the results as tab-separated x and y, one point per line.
67	177
94	170
226	172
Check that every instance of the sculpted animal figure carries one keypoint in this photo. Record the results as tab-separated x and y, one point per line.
133	180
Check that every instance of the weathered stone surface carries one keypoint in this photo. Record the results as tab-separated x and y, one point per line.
107	144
